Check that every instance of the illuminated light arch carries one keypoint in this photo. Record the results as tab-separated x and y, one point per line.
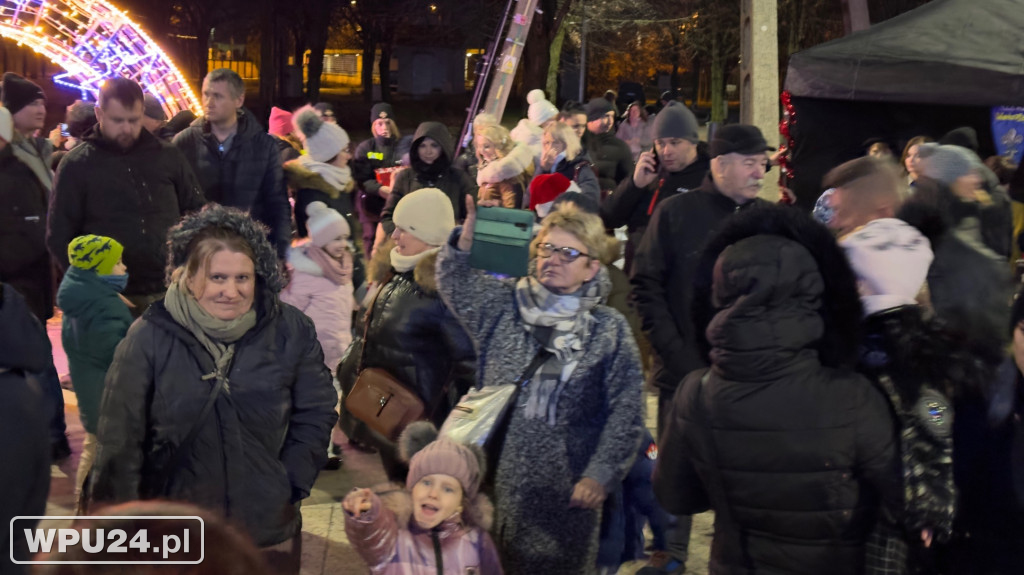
92	40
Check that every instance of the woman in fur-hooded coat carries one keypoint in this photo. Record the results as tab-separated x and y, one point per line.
504	167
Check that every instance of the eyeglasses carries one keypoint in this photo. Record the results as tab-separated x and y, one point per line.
566	254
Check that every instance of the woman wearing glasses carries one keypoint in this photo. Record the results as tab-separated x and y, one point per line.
576	425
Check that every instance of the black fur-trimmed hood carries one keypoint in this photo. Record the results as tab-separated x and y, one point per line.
180	237
379	269
840	308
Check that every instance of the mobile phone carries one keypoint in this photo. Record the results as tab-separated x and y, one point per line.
64	131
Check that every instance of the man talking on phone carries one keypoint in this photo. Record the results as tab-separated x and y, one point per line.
673	167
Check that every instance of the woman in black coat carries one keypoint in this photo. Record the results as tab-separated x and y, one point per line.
795	453
408	329
218	395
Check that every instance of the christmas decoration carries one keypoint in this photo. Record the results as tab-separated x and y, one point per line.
92	40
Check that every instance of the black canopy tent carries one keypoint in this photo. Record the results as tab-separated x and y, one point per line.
924	72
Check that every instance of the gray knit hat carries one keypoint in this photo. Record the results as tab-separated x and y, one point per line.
676	121
946	163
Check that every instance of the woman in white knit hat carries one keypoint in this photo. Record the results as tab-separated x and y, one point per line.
322	173
408	330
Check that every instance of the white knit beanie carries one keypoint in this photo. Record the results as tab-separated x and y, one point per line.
322	140
6	125
541	110
946	163
325	225
427	214
891	259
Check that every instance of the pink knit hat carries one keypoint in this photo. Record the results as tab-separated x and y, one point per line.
280	122
446	457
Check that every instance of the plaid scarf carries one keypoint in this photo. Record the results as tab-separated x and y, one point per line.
560	323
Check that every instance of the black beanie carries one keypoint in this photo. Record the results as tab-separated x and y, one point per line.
965	137
598	108
381	110
19	92
676	121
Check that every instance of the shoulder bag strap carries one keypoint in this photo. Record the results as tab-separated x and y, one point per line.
184	448
367	316
527	375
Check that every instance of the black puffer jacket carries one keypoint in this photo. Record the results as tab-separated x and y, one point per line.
414	336
370	155
581	171
441	175
24	261
248	176
259	451
613	160
133	196
802	454
25	473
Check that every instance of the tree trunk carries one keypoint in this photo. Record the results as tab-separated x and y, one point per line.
268	60
536	62
369	51
674	59
555	55
202	59
384	69
299	46
717	80
320	27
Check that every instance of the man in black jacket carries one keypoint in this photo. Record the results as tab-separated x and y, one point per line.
123	183
667	258
237	163
613	160
673	167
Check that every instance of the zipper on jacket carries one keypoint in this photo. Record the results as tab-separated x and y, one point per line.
437	553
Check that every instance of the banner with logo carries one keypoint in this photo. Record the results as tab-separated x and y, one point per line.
1008	132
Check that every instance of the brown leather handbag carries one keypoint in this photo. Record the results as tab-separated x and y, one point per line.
380	400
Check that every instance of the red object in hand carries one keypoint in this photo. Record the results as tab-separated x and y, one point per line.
384	175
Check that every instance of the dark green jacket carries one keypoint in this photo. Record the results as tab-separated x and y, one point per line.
95	321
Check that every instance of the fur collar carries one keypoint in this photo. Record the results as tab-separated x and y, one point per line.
477	513
380	270
301	178
301	262
516	162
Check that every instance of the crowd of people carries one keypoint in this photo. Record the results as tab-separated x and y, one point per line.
843	389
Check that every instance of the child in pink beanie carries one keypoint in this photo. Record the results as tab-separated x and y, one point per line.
437	524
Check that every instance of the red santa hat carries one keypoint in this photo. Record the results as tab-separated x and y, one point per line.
545	188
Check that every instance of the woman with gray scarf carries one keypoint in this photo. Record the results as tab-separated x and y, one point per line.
576	426
218	395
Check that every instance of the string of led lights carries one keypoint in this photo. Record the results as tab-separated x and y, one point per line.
91	40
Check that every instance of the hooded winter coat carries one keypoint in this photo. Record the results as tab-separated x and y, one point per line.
795	458
613	160
260	449
25	473
506	179
24	261
95	321
247	176
412	335
663	271
597	429
441	175
310	187
133	196
328	304
389	540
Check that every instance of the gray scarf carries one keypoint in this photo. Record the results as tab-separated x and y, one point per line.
217	336
560	323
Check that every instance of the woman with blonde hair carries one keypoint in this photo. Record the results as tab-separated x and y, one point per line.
562	152
575	427
504	167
